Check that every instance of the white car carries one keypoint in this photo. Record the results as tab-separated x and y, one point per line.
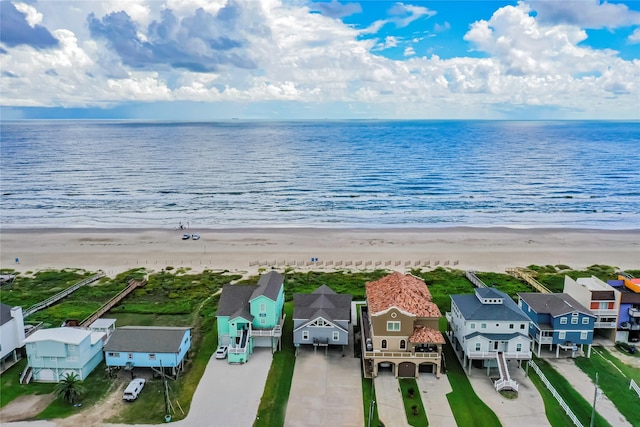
221	352
133	389
195	236
186	236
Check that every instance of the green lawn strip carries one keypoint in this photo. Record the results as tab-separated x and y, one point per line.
10	386
369	398
96	386
613	379
273	404
442	283
468	409
581	408
416	415
555	414
504	282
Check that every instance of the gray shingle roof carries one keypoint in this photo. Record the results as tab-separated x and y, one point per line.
269	285
5	313
145	339
472	309
322	302
234	301
554	304
496	337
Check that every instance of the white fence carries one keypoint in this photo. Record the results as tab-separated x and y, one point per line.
555	394
633	385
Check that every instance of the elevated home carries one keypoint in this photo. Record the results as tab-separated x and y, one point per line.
11	334
488	327
251	316
400	327
108	326
154	347
602	299
558	320
629	313
321	318
54	353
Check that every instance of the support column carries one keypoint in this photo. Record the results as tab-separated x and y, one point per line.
539	347
589	351
557	350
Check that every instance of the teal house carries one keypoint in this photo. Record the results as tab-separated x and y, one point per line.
251	316
54	353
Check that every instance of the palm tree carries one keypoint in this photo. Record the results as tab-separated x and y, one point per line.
69	388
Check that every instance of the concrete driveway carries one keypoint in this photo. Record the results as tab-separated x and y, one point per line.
389	400
326	390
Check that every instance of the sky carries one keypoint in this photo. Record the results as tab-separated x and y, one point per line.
299	59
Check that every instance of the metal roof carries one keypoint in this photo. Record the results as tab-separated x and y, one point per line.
472	308
553	304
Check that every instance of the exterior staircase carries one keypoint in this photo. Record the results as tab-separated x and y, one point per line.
505	382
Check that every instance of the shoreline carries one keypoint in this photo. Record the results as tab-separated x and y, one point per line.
248	250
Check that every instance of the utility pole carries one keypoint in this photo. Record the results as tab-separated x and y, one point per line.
595	398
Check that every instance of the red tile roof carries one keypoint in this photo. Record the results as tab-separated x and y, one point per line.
405	292
422	334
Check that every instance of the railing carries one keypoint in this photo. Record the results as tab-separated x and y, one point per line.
555	394
634	385
634	312
55	298
518	355
133	284
401	354
521	274
604	325
32	330
276	331
471	276
505	380
544	340
25	378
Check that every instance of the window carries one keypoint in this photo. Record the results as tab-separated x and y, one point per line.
72	358
393	326
113	354
305	335
130	356
584	335
336	335
52	359
519	347
522	326
384	344
152	356
574	320
585	320
71	347
511	325
477	346
563	320
403	344
594	305
263	308
472	325
483	326
562	335
263	321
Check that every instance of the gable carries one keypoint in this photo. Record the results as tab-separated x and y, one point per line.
320	322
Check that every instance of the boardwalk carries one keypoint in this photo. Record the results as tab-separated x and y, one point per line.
60	295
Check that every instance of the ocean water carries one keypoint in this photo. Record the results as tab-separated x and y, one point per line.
320	173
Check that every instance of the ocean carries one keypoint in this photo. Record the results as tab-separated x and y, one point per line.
320	173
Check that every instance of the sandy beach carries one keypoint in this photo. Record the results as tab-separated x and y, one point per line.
248	250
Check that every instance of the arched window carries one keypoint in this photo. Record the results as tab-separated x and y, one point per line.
384	343
403	344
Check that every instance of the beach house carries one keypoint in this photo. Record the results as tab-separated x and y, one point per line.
251	316
399	327
558	320
629	313
54	353
162	349
321	318
602	299
488	328
11	334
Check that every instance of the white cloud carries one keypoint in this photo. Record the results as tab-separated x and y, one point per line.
33	16
634	37
585	13
409	51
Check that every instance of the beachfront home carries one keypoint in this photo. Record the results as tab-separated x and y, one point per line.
488	327
602	299
558	320
251	316
321	318
11	334
108	326
154	347
399	327
629	313
54	353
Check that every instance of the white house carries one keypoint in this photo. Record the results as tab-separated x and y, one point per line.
11	333
602	299
488	327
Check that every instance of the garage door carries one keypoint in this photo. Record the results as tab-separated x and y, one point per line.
45	375
426	368
407	370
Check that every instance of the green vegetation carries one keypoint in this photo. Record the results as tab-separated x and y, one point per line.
613	378
369	396
507	284
26	291
70	388
416	415
580	407
11	388
553	276
442	283
340	282
273	404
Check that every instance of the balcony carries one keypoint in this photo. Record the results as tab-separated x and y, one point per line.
605	325
401	355
634	312
544	339
517	355
276	331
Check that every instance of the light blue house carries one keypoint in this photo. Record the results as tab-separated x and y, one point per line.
558	320
54	353
251	316
155	347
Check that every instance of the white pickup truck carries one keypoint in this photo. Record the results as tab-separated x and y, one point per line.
133	389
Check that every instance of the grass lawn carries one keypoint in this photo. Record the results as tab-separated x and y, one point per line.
613	378
442	283
416	417
10	386
580	407
368	396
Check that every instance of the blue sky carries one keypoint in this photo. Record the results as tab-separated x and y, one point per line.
294	59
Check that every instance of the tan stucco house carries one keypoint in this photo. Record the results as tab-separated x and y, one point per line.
399	327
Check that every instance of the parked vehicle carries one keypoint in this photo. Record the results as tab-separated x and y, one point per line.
221	352
186	236
133	389
195	236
